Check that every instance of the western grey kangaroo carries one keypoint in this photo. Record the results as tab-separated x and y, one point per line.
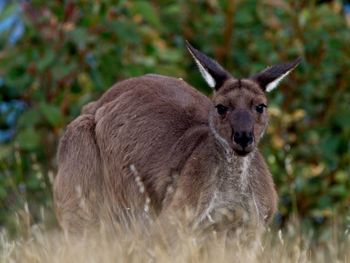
154	145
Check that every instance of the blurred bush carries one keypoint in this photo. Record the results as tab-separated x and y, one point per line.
72	52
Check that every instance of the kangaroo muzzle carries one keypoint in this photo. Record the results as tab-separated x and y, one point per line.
243	138
242	135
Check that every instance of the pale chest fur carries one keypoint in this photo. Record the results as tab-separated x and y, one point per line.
233	198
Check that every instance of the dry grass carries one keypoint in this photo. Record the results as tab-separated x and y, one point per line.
182	245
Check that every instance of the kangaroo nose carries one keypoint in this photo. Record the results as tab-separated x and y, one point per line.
243	138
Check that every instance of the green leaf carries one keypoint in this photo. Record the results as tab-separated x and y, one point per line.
5	151
146	10
52	114
3	192
61	70
338	190
81	37
29	118
28	139
47	60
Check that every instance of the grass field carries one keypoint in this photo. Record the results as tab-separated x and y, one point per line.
38	244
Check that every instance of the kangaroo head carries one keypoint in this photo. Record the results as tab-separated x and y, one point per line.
239	115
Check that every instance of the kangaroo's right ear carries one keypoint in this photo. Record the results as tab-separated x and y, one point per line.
211	71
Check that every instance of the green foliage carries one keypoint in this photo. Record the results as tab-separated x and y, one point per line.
71	53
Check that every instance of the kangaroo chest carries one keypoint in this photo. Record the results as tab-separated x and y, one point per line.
232	200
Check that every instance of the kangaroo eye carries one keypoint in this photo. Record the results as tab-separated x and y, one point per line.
221	109
260	108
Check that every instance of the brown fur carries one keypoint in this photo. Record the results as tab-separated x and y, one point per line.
146	147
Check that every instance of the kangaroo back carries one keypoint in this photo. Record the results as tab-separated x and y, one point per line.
78	188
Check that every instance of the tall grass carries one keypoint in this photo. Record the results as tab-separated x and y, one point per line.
40	242
183	245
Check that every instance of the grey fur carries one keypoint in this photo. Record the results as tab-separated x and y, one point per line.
147	148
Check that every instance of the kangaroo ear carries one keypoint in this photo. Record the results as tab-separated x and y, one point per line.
211	71
269	78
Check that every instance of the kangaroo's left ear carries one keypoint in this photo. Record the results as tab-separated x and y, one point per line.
211	71
269	78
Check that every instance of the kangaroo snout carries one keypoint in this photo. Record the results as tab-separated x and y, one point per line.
243	142
243	138
242	123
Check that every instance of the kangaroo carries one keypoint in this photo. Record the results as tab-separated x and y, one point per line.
154	145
